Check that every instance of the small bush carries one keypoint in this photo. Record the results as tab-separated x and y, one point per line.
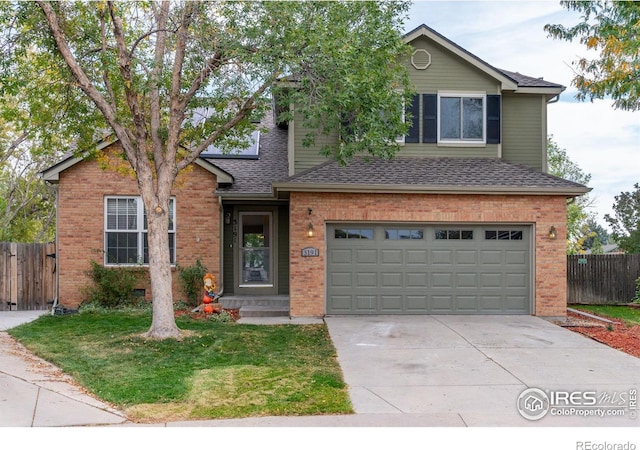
191	282
221	317
636	298
112	286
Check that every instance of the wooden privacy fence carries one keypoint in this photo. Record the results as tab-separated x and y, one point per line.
602	279
27	276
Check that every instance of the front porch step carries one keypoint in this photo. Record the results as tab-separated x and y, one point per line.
263	311
258	306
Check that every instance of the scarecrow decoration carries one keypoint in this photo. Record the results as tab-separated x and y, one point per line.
210	297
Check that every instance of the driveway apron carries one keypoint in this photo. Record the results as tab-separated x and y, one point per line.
471	370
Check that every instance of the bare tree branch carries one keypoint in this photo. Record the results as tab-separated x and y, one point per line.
244	111
85	84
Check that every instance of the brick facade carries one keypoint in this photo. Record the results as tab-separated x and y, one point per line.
81	192
307	279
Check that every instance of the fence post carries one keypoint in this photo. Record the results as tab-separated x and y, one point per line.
13	275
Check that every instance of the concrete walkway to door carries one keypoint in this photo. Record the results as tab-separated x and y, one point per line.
471	370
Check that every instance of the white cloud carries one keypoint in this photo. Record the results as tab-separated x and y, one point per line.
510	35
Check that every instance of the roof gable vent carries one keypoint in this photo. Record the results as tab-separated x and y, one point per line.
420	59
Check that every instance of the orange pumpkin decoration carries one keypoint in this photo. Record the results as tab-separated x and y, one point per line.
206	299
208	309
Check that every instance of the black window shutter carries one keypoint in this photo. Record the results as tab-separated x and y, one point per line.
413	137
493	119
429	118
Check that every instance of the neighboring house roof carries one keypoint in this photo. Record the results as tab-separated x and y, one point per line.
511	81
429	175
606	249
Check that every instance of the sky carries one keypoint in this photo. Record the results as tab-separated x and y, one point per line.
510	35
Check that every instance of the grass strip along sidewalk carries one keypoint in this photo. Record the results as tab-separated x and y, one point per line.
217	370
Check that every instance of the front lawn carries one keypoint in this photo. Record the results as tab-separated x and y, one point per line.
630	316
218	370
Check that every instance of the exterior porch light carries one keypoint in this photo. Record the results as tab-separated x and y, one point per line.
310	227
553	234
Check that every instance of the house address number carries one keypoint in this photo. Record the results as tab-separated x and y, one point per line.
310	251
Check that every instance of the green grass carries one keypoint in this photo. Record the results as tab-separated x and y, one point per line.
630	316
217	370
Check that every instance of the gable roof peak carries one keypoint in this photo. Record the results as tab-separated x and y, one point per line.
510	81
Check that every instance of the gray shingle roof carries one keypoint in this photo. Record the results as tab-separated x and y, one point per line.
440	174
254	176
527	81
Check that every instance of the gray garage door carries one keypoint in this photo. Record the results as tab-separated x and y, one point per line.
428	269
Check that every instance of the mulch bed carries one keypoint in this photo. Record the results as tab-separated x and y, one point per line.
234	313
616	335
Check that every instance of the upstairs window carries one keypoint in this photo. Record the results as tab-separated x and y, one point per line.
126	240
462	118
456	118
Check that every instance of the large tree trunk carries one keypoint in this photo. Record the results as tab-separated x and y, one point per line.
163	324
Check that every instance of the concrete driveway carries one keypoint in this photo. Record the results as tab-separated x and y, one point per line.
471	371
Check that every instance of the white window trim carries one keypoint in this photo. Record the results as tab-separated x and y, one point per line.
465	142
140	230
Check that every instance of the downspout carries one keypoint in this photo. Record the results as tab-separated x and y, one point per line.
554	99
55	300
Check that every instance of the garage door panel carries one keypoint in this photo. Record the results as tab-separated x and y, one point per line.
340	256
467	280
490	303
417	303
466	257
516	280
491	280
441	257
485	270
391	303
391	256
366	303
391	280
442	280
516	303
416	257
419	279
516	257
341	303
466	304
365	280
366	256
442	304
488	257
339	279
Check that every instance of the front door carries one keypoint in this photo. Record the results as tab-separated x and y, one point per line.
256	250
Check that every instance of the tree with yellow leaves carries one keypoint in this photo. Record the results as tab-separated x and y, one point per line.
611	28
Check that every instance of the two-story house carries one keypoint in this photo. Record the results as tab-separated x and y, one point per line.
465	220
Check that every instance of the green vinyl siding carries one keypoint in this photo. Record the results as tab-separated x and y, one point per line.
522	116
308	157
448	72
524	130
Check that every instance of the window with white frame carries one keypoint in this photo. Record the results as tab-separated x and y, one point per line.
126	238
461	117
